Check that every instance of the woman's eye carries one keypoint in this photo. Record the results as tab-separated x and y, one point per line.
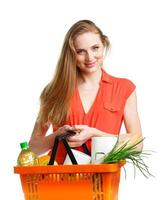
95	48
80	52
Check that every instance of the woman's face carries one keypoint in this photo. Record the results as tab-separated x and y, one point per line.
89	52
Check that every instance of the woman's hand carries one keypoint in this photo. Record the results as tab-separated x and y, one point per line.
63	129
83	133
132	139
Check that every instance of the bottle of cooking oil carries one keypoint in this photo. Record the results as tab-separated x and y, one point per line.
26	157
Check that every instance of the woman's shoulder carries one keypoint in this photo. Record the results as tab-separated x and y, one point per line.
122	81
117	80
121	84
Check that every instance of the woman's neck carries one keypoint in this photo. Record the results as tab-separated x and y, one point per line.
90	79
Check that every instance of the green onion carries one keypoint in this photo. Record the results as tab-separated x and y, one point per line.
130	154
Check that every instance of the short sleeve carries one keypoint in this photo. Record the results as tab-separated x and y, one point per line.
130	87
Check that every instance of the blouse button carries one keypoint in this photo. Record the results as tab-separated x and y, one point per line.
112	109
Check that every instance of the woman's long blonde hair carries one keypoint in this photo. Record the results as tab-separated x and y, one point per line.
55	97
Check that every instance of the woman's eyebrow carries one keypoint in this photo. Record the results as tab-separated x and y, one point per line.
85	49
80	49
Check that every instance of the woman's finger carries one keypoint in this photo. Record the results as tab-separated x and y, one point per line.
79	127
67	127
74	144
74	138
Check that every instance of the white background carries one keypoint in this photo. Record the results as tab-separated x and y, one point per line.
31	35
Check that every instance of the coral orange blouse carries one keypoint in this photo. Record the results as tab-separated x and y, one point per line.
106	113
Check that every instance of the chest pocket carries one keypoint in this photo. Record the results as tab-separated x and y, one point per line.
112	108
113	116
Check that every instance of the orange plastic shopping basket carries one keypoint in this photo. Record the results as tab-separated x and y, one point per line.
70	182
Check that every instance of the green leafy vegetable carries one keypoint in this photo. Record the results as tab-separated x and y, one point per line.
130	153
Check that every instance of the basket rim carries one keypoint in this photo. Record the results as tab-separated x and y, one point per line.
91	168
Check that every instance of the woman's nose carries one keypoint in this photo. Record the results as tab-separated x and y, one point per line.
89	56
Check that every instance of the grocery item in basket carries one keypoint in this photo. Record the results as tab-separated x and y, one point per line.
80	157
26	156
44	160
102	146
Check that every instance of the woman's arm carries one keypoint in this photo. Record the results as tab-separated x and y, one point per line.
132	121
39	142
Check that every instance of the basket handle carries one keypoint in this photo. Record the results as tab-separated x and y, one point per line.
85	149
62	138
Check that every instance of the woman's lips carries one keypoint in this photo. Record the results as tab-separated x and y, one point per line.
92	64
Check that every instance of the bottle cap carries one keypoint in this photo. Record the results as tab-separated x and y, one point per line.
24	145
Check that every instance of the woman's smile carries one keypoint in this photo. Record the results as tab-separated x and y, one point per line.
90	64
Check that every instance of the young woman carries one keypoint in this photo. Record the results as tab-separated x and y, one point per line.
83	97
